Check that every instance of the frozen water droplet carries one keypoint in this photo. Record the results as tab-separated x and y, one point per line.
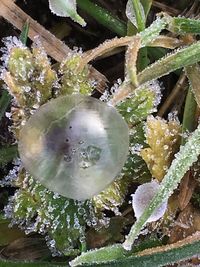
142	197
52	149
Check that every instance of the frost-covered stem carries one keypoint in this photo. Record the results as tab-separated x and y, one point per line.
131	60
103	254
140	22
184	159
102	16
147	36
179	59
153	31
167	42
183	25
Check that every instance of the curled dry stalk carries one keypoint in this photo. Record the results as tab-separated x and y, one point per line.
148	37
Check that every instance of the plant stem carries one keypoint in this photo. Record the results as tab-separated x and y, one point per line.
104	17
147	36
181	58
183	26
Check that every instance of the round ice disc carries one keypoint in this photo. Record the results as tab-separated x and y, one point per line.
75	145
143	196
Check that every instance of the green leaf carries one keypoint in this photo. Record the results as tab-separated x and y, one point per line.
154	257
193	74
103	16
135	13
66	8
146	5
189	119
171	62
24	34
63	220
183	25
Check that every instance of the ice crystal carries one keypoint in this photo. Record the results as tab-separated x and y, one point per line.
142	197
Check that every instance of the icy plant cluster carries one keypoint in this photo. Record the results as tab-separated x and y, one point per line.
36	209
31	81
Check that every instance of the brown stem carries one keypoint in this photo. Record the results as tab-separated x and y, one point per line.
174	93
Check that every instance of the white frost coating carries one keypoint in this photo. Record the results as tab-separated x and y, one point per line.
10	42
66	8
142	197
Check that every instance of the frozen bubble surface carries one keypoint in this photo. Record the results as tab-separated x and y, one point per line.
75	145
142	197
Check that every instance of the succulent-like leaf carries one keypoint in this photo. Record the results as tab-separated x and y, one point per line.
162	138
112	197
73	80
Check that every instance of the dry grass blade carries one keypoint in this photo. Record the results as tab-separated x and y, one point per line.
173	95
193	75
187	187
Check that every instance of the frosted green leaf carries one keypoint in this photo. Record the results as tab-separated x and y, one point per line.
130	13
75	145
66	8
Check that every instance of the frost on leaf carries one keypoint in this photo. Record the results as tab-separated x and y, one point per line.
63	221
73	80
135	167
163	138
29	79
112	197
66	8
29	76
141	103
135	110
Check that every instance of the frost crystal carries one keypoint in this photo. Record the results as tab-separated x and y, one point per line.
10	42
142	197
